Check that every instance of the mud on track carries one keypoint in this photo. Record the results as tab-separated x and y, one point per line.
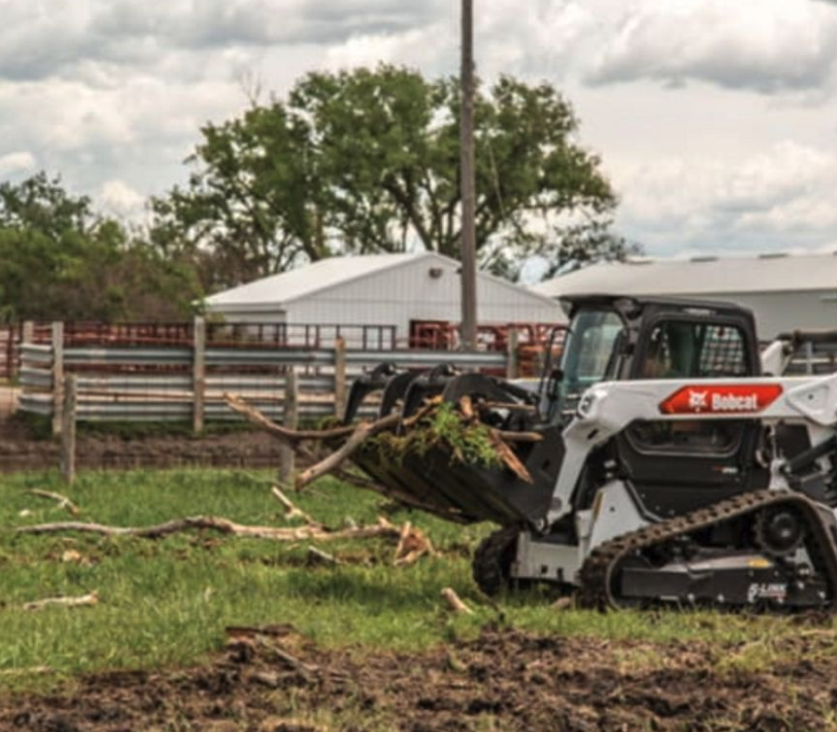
505	680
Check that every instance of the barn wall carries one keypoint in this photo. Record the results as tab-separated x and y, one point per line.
782	312
408	292
231	315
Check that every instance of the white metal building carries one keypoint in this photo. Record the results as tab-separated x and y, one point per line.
380	289
785	292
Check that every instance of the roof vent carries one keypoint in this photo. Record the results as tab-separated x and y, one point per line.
704	259
435	272
773	255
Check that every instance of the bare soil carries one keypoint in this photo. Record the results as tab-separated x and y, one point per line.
21	450
504	680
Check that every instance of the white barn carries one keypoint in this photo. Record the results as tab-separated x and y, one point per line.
786	292
380	289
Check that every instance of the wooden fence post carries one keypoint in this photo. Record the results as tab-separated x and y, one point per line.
68	431
290	419
339	376
199	375
512	366
27	333
57	378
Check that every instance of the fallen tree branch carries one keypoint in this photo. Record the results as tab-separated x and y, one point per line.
405	532
511	406
255	417
286	658
291	511
455	603
318	556
62	500
222	525
507	436
27	671
412	545
89	599
361	433
466	406
509	458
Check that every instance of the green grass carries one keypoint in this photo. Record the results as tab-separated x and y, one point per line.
166	602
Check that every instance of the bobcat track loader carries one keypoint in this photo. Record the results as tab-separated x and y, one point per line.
672	468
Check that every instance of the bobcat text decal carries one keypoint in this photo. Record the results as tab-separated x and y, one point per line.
721	399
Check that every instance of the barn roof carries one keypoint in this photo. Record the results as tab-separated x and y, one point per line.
286	287
699	276
296	283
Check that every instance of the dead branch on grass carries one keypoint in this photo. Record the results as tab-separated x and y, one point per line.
222	525
292	511
455	603
412	545
63	501
318	556
90	599
30	670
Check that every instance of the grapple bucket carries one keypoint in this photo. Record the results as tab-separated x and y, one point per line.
437	481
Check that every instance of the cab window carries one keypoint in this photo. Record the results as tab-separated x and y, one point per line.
693	350
680	349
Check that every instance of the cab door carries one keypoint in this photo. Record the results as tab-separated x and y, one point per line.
676	467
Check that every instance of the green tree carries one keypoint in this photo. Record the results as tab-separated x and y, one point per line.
60	261
367	161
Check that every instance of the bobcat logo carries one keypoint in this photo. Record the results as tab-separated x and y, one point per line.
698	400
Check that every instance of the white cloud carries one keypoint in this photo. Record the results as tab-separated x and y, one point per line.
784	197
117	198
41	38
766	45
110	94
16	162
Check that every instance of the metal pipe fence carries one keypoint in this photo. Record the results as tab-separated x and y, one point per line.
252	336
174	382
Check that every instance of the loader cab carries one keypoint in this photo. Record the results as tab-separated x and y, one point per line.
612	338
593	351
619	338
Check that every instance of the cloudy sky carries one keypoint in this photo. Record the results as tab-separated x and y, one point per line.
716	120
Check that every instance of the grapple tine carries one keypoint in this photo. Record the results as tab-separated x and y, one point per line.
480	385
395	390
426	386
363	386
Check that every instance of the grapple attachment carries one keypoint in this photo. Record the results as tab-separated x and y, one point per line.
439	481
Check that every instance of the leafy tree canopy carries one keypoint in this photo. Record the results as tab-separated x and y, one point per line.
367	161
59	261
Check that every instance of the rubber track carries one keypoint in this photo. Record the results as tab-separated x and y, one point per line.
596	572
487	568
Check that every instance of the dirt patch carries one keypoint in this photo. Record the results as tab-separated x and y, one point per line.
20	450
505	680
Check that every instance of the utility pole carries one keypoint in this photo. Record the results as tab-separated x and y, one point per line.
468	245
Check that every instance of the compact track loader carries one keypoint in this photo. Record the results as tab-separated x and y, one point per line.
675	463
